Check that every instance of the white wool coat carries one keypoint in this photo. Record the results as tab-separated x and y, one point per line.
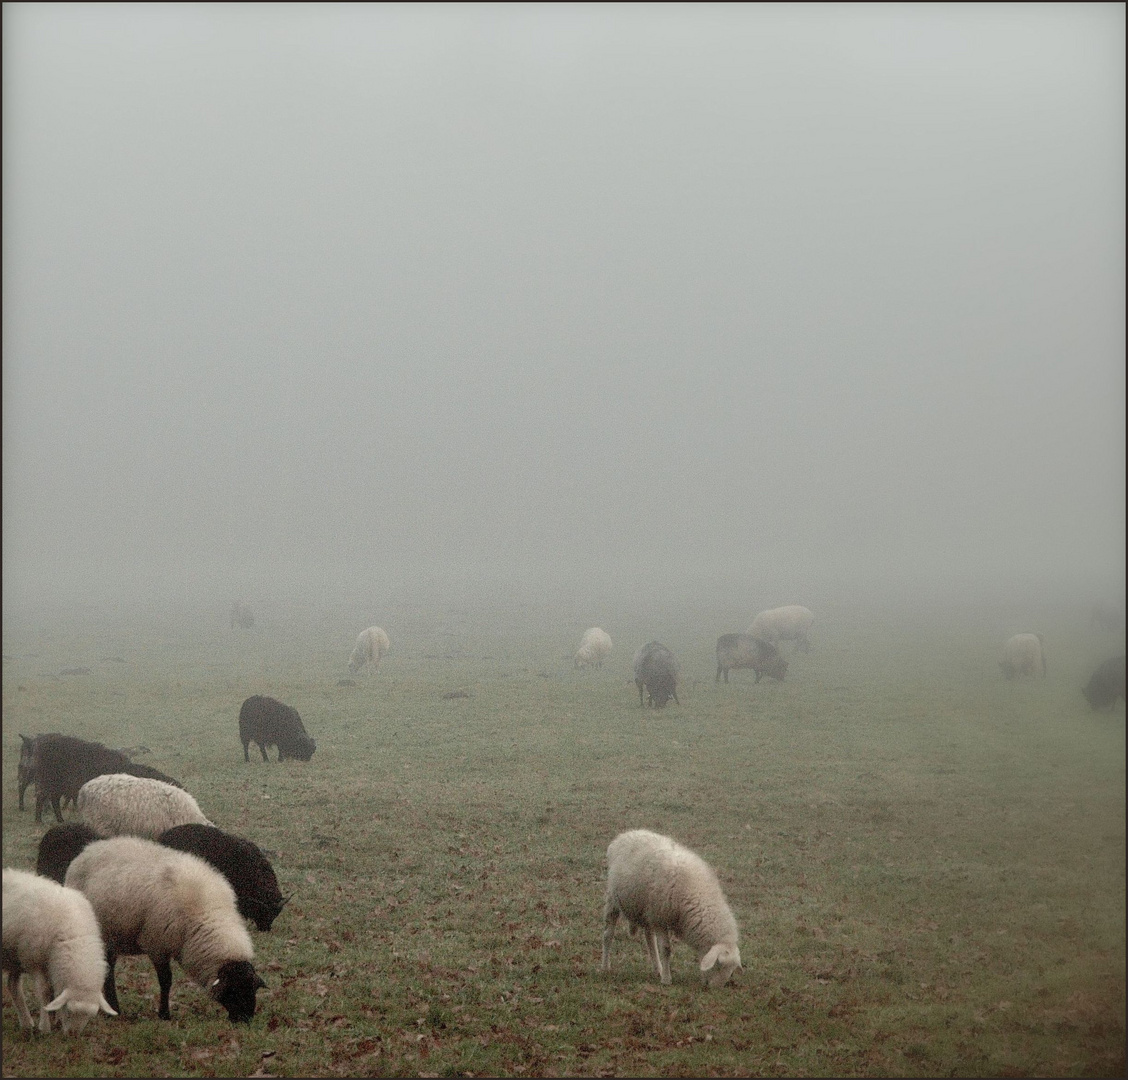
122	805
166	904
595	647
666	890
371	645
51	933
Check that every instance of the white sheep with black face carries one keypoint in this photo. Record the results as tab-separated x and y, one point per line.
169	905
595	647
665	890
371	645
52	934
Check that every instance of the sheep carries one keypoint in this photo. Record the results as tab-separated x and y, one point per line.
790	623
169	905
746	651
595	647
371	644
51	933
665	890
60	846
1023	653
656	669
61	764
271	723
1106	685
124	805
242	863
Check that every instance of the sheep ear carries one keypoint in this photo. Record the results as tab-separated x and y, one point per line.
215	984
59	1002
104	1005
710	958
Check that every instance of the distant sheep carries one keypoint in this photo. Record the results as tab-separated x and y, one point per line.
28	769
51	933
242	863
656	669
242	616
61	764
370	646
789	623
169	905
1106	685
666	891
595	647
268	722
746	651
1023	654
124	805
60	846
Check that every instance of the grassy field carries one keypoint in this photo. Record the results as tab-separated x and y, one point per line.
927	862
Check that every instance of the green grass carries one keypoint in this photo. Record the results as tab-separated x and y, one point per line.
927	862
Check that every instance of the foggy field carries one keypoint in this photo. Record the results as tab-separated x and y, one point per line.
927	862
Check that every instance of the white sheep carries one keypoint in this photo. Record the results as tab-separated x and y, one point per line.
1023	653
595	647
371	644
169	905
51	933
665	890
118	804
789	623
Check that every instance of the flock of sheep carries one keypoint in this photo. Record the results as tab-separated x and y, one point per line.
144	872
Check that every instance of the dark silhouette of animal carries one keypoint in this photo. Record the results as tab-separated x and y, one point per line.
62	764
60	846
1106	685
243	864
745	651
656	669
268	722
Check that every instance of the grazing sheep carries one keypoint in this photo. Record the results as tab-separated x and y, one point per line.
1023	653
371	644
1106	685
169	905
51	933
242	863
124	805
242	616
28	768
789	623
656	669
595	647
270	723
746	651
59	847
61	764
665	890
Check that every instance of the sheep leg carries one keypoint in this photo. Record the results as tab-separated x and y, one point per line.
109	987
15	988
637	683
650	944
263	749
164	978
610	918
247	752
662	952
43	992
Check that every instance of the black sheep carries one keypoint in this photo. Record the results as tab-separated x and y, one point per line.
241	862
61	764
657	670
270	723
60	845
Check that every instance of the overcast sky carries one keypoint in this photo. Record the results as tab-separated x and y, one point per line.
315	297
